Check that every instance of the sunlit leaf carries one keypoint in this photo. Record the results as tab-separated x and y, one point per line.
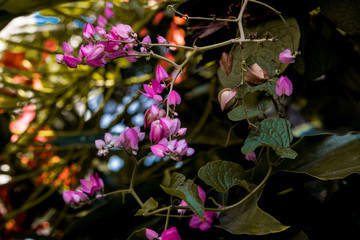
274	133
149	205
186	190
222	175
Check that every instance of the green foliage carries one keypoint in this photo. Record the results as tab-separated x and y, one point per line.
266	56
186	190
273	133
249	219
241	112
326	156
149	205
222	175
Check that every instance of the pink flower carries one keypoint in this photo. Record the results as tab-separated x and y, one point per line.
161	74
108	138
123	31
170	234
152	91
152	114
90	187
174	149
89	31
286	56
67	48
102	21
73	197
202	223
227	98
251	157
174	98
157	131
96	56
170	125
284	86
144	48
109	12
151	234
161	40
100	31
129	139
71	62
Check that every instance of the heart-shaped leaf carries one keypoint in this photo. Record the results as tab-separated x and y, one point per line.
222	175
274	133
186	190
149	205
239	113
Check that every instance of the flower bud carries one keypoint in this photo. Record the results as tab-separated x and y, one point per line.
284	86
227	99
174	98
161	74
100	31
251	157
151	234
89	31
161	40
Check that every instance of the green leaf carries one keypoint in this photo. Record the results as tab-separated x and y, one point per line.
275	133
266	56
149	205
268	87
248	218
222	175
326	157
187	190
239	113
138	235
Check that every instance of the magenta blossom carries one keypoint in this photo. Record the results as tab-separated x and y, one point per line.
73	197
161	40
153	91
227	99
90	187
152	114
202	223
69	60
102	21
251	157
89	31
174	149
168	234
157	131
109	12
174	98
129	139
145	48
100	31
286	56
284	86
161	74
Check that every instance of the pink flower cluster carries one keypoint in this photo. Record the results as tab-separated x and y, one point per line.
88	187
164	129
128	140
197	222
119	42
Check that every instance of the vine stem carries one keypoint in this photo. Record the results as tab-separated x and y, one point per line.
241	14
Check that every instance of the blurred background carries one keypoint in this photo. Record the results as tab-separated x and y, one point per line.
50	115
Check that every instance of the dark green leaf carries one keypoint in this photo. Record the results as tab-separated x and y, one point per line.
149	205
239	113
326	156
187	190
275	133
266	56
248	218
222	175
